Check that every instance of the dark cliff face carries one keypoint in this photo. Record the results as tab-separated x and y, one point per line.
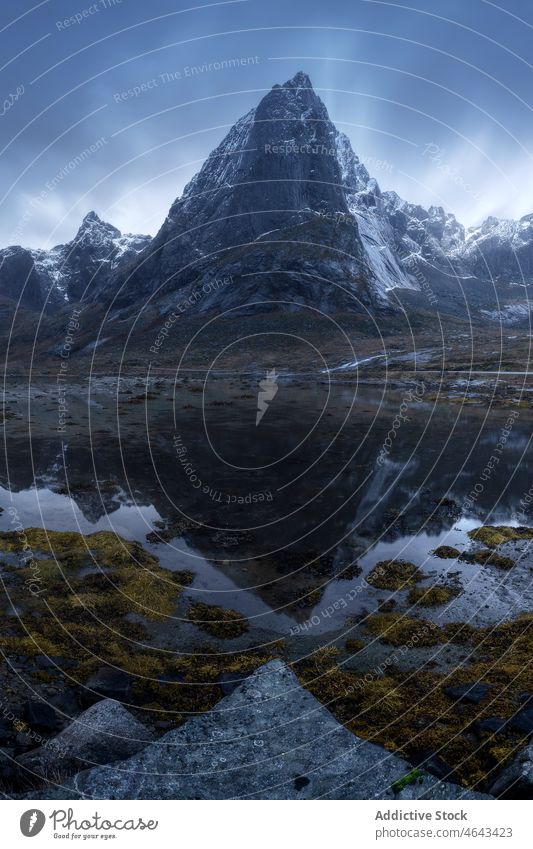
20	282
278	161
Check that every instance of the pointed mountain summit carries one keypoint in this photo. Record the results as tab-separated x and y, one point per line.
269	200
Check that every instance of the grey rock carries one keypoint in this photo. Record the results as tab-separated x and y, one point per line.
433	763
7	770
7	731
474	692
51	662
229	681
522	721
491	725
269	739
104	733
516	780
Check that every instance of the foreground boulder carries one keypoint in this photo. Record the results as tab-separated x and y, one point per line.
104	733
269	739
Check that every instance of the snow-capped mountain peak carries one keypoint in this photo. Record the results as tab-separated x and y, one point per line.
67	272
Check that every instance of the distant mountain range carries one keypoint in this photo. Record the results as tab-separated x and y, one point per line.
285	208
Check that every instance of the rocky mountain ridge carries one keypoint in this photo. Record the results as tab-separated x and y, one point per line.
65	273
285	209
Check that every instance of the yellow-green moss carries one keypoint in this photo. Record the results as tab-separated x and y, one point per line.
84	615
398	630
487	557
493	535
446	552
394	575
413	777
217	621
432	596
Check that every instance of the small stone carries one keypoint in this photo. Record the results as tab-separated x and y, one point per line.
491	725
434	764
6	730
474	693
44	661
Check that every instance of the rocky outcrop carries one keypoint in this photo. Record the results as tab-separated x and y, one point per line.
269	739
104	733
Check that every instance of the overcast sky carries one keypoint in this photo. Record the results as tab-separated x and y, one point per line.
436	98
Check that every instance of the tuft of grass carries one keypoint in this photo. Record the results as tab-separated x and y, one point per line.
398	630
353	646
413	777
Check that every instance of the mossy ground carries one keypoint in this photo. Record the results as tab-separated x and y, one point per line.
393	575
88	589
493	535
488	557
408	712
217	621
397	629
412	777
432	596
